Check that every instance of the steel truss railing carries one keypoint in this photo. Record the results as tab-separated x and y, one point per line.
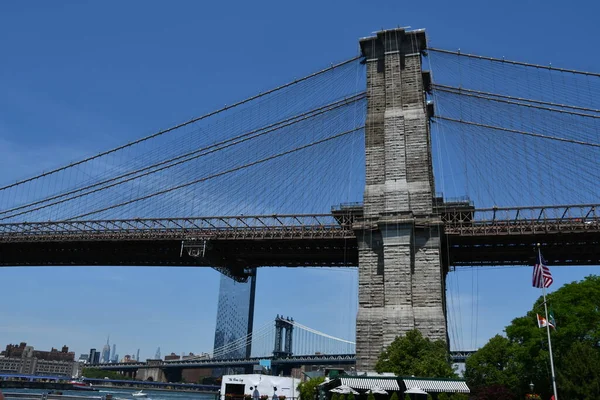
522	220
457	221
302	226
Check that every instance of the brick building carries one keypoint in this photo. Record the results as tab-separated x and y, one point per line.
23	359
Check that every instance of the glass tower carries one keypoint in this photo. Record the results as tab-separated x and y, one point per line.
235	313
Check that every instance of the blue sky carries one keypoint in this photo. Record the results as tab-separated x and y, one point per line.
78	77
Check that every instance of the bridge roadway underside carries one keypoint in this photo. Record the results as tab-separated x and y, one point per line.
233	253
460	249
565	248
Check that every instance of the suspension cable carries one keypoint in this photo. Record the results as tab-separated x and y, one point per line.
523	64
306	328
181	125
219	174
537	135
139	173
508	100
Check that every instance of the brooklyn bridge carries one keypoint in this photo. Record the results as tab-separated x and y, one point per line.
339	168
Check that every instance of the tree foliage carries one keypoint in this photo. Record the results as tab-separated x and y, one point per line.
512	362
413	354
95	373
463	396
308	389
494	392
394	396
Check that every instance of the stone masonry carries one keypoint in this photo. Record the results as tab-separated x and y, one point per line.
401	278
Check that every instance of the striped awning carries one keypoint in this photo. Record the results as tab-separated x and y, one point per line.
369	383
438	386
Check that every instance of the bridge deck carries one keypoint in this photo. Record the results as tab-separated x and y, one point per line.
497	236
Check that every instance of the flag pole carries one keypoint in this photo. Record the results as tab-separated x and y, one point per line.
548	331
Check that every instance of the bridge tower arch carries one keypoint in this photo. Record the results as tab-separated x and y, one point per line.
401	276
284	332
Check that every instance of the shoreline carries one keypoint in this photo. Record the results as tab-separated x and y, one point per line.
69	387
143	387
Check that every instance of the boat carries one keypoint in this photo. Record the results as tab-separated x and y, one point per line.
79	385
140	394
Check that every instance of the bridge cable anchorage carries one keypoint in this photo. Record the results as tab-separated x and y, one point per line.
181	125
537	135
519	63
178	160
508	100
222	173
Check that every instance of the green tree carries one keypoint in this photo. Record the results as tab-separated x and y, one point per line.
371	396
523	355
95	373
335	396
493	364
394	396
413	354
580	371
406	397
308	389
350	396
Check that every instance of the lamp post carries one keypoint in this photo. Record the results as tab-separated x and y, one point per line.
531	386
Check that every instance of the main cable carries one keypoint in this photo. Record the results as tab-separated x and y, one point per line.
182	158
537	135
509	100
520	63
216	175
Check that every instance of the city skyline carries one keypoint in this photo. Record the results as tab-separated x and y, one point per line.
107	86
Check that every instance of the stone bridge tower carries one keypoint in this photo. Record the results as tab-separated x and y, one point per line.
401	277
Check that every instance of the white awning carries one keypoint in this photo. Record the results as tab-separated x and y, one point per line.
438	386
369	383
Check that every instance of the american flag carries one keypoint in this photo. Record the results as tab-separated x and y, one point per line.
542	278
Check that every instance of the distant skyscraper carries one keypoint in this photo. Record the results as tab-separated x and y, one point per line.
235	314
157	354
106	351
92	356
137	356
114	353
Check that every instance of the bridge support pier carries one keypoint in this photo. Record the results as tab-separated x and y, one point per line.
401	277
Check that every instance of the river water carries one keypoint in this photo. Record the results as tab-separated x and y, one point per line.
125	394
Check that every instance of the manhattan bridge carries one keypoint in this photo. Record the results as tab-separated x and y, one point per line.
404	161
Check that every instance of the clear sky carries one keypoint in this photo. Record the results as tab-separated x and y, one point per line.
78	77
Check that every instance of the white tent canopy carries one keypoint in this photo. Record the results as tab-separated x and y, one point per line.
368	383
437	385
415	390
377	390
344	389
